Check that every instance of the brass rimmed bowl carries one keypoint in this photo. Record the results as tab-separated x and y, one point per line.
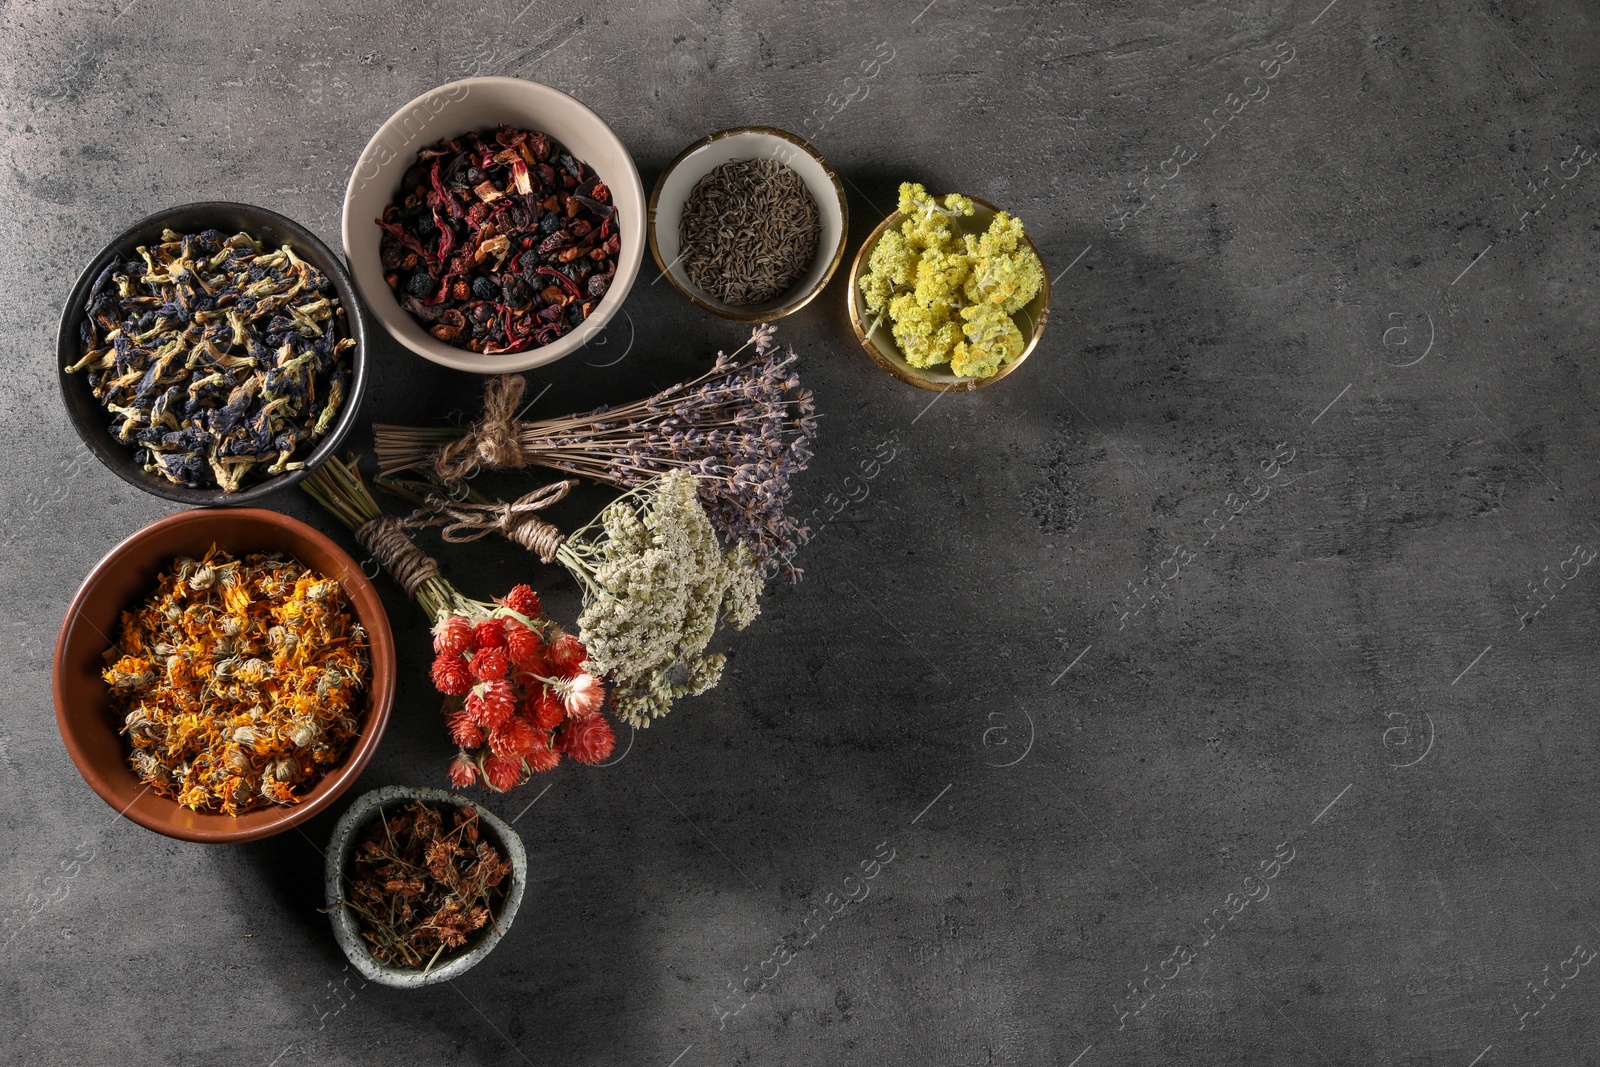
877	338
678	180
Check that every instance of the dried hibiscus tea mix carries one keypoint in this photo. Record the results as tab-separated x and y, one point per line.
499	241
237	681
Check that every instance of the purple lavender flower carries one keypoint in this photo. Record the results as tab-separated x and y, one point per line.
744	428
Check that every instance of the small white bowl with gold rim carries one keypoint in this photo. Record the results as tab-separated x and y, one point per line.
678	180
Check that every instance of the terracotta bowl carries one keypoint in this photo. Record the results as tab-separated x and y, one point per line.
877	336
273	230
127	574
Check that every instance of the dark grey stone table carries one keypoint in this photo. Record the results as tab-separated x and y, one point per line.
1221	682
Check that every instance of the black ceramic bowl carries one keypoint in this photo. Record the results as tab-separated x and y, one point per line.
273	231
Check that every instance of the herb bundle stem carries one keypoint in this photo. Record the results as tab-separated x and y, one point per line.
338	487
743	429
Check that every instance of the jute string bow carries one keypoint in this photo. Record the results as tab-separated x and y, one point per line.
518	521
492	442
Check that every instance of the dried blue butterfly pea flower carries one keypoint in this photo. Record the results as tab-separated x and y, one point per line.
181	467
215	356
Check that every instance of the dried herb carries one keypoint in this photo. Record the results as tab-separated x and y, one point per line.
749	231
951	296
656	583
219	361
237	681
518	694
499	241
419	887
743	429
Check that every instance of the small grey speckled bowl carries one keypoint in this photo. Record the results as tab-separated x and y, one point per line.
346	927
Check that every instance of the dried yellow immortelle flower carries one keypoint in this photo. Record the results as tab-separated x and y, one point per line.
949	297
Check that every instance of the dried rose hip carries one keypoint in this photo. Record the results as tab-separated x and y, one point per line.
500	241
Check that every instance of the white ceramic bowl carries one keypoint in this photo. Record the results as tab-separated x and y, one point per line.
482	104
672	191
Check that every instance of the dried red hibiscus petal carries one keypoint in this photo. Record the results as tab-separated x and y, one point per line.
510	238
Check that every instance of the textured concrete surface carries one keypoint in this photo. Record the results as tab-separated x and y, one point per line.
1221	682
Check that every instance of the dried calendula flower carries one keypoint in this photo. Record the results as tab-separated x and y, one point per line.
237	681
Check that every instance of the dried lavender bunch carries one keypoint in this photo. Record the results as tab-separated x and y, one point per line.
743	429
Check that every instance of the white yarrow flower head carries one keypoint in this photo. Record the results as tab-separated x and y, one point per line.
657	582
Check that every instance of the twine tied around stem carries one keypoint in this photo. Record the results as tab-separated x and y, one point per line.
385	537
517	521
492	441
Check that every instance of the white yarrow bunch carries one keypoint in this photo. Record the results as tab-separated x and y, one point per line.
657	582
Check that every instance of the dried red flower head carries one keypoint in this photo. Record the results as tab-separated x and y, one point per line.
501	773
450	675
524	601
515	738
582	696
543	757
496	703
463	729
490	663
548	710
452	634
463	772
587	740
490	633
566	656
524	648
